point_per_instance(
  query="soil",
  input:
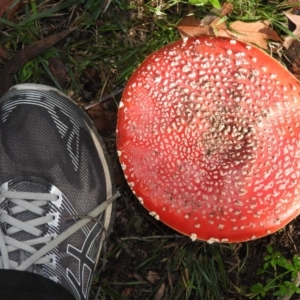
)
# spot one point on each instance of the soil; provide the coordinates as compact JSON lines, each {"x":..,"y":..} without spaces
{"x":139,"y":251}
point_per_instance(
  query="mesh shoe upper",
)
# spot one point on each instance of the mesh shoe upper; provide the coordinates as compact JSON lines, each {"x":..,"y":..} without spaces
{"x":49,"y":146}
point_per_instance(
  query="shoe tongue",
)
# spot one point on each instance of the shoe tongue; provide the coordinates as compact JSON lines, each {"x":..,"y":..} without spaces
{"x":29,"y":184}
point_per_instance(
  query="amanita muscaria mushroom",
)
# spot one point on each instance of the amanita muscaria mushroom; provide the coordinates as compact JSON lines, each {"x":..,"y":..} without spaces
{"x":209,"y":139}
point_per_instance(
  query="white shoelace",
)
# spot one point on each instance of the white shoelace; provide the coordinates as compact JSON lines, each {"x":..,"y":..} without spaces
{"x":8,"y":244}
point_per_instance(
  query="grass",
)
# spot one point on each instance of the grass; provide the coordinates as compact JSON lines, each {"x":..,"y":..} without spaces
{"x":98,"y":59}
{"x":113,"y":43}
{"x":193,"y":270}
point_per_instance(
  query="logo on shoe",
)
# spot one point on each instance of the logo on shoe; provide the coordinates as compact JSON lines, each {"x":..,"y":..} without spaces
{"x":86,"y":257}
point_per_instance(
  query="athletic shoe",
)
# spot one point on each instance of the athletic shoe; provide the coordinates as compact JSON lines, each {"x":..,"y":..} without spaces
{"x":56,"y":194}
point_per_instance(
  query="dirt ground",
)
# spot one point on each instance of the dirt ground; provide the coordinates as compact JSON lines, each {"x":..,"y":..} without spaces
{"x":145,"y":259}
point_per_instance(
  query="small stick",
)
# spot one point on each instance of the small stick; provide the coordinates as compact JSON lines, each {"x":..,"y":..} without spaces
{"x":103,"y":99}
{"x":175,"y":236}
{"x":69,"y":217}
{"x":124,"y":247}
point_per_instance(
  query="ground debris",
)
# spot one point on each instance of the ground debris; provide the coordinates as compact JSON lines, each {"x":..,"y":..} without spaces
{"x":12,"y":66}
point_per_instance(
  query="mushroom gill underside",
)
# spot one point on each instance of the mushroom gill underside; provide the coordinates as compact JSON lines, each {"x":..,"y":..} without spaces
{"x":208,"y":138}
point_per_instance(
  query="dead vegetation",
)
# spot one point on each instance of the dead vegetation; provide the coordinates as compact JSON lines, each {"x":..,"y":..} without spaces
{"x":89,"y":54}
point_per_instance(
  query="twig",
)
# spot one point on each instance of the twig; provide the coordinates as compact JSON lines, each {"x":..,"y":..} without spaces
{"x":295,"y":247}
{"x":103,"y":99}
{"x":141,"y":279}
{"x":124,"y":247}
{"x":152,"y":237}
{"x":104,"y":260}
{"x":12,"y":66}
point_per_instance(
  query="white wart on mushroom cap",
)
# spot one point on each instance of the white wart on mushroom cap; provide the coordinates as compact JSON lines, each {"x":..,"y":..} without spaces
{"x":208,"y":137}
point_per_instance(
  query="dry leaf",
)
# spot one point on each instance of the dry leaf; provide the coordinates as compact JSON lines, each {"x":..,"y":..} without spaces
{"x":214,"y":14}
{"x":58,"y":69}
{"x":12,"y":66}
{"x":152,"y":277}
{"x":127,"y":291}
{"x":10,"y":6}
{"x":190,"y":26}
{"x":160,"y":293}
{"x":296,"y":20}
{"x":3,"y":52}
{"x":102,"y":119}
{"x":255,"y":32}
{"x":292,"y":55}
{"x":293,"y":3}
{"x":5,"y":5}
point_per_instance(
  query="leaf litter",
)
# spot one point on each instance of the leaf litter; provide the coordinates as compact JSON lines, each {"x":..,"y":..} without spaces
{"x":258,"y":32}
{"x":12,"y":66}
{"x":288,"y":41}
{"x":123,"y":264}
{"x":10,"y":7}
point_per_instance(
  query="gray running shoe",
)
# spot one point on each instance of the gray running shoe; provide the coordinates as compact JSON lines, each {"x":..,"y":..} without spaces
{"x":56,"y":189}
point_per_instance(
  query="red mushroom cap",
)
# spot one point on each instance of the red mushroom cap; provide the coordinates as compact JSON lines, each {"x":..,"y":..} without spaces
{"x":209,"y":139}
